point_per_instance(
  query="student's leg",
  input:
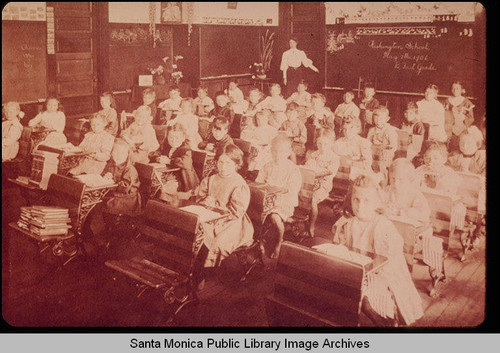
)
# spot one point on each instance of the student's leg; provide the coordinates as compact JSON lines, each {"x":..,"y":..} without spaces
{"x":271,"y":239}
{"x":279,"y":226}
{"x":378,"y":320}
{"x":314,"y":215}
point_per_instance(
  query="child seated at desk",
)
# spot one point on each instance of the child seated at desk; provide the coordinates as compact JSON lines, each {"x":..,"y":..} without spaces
{"x":125,"y":199}
{"x":255,"y":96}
{"x":108,"y":111}
{"x":302,"y":98}
{"x":391,"y":295}
{"x":204,"y":104}
{"x":367,"y":106}
{"x":172,"y":105}
{"x":98,"y":144}
{"x":319,"y":115}
{"x":277,"y":104}
{"x":323,"y":158}
{"x":177,"y":153}
{"x":383,"y":135}
{"x":282,"y":172}
{"x":236,"y":99}
{"x":459,"y":114}
{"x":229,"y":191}
{"x":189,"y":121}
{"x":222,"y":108}
{"x":434,"y":174}
{"x":354,"y":146}
{"x":141,"y":136}
{"x":219,"y":137}
{"x":431,"y":112}
{"x":346,"y":109}
{"x":53,"y":120}
{"x":11,"y":131}
{"x":261,"y":138}
{"x":296,"y":130}
{"x":412,"y":123}
{"x":470,"y":158}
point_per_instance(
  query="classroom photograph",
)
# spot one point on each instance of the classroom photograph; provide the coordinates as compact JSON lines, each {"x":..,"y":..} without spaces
{"x":243,"y":164}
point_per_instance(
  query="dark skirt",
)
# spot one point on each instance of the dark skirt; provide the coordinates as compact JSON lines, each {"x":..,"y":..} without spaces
{"x":293,"y":77}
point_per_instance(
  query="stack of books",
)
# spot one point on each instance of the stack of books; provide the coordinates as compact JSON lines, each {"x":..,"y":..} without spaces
{"x":45,"y":220}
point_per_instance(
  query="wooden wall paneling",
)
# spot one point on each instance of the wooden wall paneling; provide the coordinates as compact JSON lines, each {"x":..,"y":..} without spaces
{"x":73,"y":67}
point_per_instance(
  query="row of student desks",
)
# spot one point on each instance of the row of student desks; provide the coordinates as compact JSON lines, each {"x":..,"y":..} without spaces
{"x":172,"y":237}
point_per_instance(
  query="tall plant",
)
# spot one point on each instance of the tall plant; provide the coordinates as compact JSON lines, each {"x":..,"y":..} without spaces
{"x":266,"y":43}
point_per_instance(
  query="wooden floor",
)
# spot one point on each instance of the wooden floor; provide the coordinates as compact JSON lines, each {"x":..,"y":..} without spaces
{"x":85,"y":293}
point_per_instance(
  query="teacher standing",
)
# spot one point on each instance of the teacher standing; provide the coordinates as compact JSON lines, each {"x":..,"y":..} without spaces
{"x":291,"y":65}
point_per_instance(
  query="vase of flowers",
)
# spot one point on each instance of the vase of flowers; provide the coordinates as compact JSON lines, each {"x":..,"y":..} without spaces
{"x":266,"y":43}
{"x":258,"y":69}
{"x":175,"y":73}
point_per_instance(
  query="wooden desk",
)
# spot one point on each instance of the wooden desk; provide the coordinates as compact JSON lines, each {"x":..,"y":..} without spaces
{"x":153,"y":176}
{"x":31,"y":193}
{"x":315,"y":289}
{"x":262,"y":200}
{"x":67,"y":159}
{"x":204,"y":163}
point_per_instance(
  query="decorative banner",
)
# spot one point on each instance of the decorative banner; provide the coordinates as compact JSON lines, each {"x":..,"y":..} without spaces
{"x":51,"y":36}
{"x":138,"y":35}
{"x":24,"y":11}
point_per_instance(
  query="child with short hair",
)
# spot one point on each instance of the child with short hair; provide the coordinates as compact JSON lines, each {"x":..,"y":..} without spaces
{"x":352,"y":145}
{"x":172,"y":105}
{"x":391,"y":295}
{"x":323,"y":158}
{"x":296,"y":130}
{"x":319,"y":115}
{"x":254,"y":98}
{"x":227,"y":190}
{"x":53,"y":120}
{"x":459,"y":114}
{"x":108,"y":111}
{"x":277,"y":104}
{"x":367,"y":106}
{"x":11,"y":131}
{"x":302,"y":98}
{"x":98,"y":144}
{"x":188,"y":120}
{"x":412,"y":123}
{"x":219,"y":137}
{"x":282,"y":172}
{"x":434,"y":174}
{"x":470,"y":157}
{"x":345,"y":109}
{"x":384,"y":135}
{"x":141,"y":136}
{"x":204,"y":104}
{"x":222,"y":108}
{"x":432,"y":112}
{"x":125,"y":199}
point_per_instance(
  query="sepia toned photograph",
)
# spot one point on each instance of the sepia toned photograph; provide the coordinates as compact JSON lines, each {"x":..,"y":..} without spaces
{"x":244,"y":164}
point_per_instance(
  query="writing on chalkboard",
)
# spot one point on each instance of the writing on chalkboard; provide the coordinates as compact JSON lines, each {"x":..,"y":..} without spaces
{"x":412,"y":55}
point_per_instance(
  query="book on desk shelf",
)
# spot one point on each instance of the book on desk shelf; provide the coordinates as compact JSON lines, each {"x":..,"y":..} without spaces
{"x":45,"y":220}
{"x":205,"y":214}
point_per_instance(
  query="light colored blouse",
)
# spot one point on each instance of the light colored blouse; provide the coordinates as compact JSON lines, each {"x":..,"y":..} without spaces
{"x":49,"y":121}
{"x":11,"y":133}
{"x":294,"y":58}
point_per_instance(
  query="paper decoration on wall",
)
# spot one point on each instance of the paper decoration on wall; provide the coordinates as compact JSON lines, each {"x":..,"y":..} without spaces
{"x":138,"y":35}
{"x":171,"y":12}
{"x":24,"y":11}
{"x":396,"y":12}
{"x":51,"y":36}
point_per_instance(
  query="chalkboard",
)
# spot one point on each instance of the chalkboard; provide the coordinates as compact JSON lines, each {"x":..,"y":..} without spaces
{"x":24,"y":61}
{"x":228,"y":50}
{"x":402,"y":57}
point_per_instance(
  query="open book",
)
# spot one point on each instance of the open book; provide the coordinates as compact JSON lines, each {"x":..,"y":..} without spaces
{"x":94,"y":180}
{"x":343,"y":252}
{"x":203,"y":213}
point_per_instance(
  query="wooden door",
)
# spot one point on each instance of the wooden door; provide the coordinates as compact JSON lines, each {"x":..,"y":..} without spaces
{"x":74,"y":62}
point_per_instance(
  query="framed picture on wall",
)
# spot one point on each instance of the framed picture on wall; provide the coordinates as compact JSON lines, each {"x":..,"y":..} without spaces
{"x":232,"y":5}
{"x":171,"y":12}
